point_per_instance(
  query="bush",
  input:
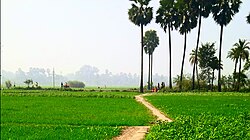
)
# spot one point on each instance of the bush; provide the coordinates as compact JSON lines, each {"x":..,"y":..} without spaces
{"x":76,"y":84}
{"x":8,"y":84}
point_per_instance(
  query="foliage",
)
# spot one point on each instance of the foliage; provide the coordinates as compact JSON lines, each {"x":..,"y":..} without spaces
{"x":203,"y":116}
{"x":59,"y":132}
{"x":187,"y":20}
{"x":193,"y":104}
{"x":240,"y":53}
{"x":248,"y":19}
{"x":208,"y":62}
{"x":151,"y":41}
{"x":76,"y":84}
{"x":45,"y":114}
{"x":167,"y":14}
{"x":223,"y":12}
{"x":28,"y":82}
{"x":166,"y":17}
{"x":73,"y":111}
{"x":8,"y":84}
{"x":186,"y":82}
{"x":246,"y":66}
{"x":187,"y":16}
{"x":140,"y":13}
{"x":78,"y":93}
{"x":205,"y":126}
{"x":202,"y":8}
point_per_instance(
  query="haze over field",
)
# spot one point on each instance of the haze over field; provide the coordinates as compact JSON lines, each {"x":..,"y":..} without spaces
{"x":67,"y":34}
{"x":90,"y":75}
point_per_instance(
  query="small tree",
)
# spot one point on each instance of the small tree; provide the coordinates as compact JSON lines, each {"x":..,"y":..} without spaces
{"x":208,"y":63}
{"x":8,"y":84}
{"x":28,"y":82}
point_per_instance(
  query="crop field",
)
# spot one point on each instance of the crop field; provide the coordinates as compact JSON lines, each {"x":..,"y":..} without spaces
{"x":202,"y":116}
{"x":77,"y":93}
{"x":28,"y":114}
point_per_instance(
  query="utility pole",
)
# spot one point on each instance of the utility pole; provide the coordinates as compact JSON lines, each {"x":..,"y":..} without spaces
{"x":53,"y":78}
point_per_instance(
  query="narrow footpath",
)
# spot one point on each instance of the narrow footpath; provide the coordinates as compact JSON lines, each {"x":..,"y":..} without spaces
{"x":139,"y":132}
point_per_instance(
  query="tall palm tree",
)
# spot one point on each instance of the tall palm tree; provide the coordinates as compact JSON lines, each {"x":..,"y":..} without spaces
{"x":234,"y":55}
{"x":166,"y":16}
{"x":202,"y":9}
{"x":141,"y":15}
{"x":151,"y":41}
{"x":223,"y":12}
{"x":243,"y":48}
{"x":248,"y":19}
{"x":187,"y":20}
{"x":194,"y":61}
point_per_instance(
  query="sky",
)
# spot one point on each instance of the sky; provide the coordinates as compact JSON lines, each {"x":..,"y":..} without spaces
{"x":67,"y":34}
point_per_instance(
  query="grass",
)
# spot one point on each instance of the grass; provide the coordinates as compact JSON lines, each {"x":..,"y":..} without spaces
{"x":68,"y":115}
{"x":58,"y":132}
{"x":188,"y":104}
{"x":73,"y":111}
{"x":64,"y":93}
{"x":203,"y":116}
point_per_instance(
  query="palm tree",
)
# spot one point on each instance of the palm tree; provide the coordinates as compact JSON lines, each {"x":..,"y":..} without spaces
{"x":214,"y":66}
{"x":187,"y":20}
{"x":248,"y":19}
{"x":243,"y":50}
{"x":234,"y":55}
{"x":141,"y":15}
{"x":202,"y":9}
{"x":223,"y":12}
{"x":151,"y":41}
{"x":166,"y":16}
{"x":194,"y":61}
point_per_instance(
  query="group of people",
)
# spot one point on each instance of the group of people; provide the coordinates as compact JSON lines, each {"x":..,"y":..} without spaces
{"x":64,"y":85}
{"x":158,"y":87}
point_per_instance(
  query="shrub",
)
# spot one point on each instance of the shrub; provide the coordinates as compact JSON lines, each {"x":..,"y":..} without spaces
{"x":76,"y":84}
{"x":8,"y":84}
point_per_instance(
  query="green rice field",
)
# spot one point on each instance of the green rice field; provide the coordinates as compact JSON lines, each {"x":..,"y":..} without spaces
{"x":98,"y":115}
{"x":69,"y":115}
{"x":202,"y":116}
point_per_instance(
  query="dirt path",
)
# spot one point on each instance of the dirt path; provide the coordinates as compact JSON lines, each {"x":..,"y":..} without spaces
{"x":133,"y":133}
{"x":139,"y":132}
{"x":155,"y":111}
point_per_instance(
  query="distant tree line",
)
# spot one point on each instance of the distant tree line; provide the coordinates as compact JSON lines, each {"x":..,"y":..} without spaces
{"x":89,"y":75}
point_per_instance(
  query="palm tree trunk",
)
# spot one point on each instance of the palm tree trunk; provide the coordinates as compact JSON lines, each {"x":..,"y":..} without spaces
{"x":235,"y":67}
{"x":183,"y":59}
{"x":213,"y":81}
{"x":141,"y":83}
{"x":151,"y":80}
{"x":170,"y":57}
{"x":197,"y":76}
{"x":149,"y":72}
{"x":196,"y":52}
{"x":219,"y":73}
{"x":238,"y":87}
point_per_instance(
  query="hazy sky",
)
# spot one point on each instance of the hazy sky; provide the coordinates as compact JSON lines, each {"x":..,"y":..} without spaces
{"x":67,"y":34}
